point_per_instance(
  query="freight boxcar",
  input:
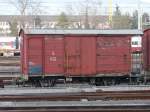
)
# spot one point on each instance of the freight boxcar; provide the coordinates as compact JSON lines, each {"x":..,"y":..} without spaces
{"x":146,"y":54}
{"x":96,"y":56}
{"x":136,"y":46}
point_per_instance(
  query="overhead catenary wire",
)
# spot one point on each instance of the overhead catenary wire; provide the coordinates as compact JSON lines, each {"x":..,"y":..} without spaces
{"x":50,"y":7}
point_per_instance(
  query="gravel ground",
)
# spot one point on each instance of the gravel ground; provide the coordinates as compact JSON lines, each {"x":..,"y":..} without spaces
{"x":76,"y":103}
{"x":69,"y":88}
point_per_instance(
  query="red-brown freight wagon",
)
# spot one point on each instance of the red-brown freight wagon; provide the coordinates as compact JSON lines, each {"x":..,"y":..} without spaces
{"x":146,"y":54}
{"x":96,"y":56}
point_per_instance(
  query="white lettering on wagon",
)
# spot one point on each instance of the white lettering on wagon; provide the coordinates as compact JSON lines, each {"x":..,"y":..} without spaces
{"x":52,"y":58}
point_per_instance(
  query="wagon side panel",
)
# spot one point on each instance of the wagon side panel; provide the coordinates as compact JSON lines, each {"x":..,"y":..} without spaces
{"x":35,"y":55}
{"x":54,"y":55}
{"x":113,"y":54}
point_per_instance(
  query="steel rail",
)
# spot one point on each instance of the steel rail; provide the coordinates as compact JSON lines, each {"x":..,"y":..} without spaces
{"x":91,"y":96}
{"x":78,"y":109}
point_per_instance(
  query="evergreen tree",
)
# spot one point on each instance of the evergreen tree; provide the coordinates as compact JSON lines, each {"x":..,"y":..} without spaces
{"x":63,"y":21}
{"x":13,"y":28}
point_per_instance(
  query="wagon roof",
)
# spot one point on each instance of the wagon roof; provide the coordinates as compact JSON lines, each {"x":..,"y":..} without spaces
{"x":102,"y":32}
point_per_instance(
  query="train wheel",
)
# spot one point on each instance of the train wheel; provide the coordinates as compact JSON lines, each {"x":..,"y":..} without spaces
{"x":92,"y":81}
{"x":39,"y":83}
{"x":109,"y":81}
{"x":47,"y":82}
{"x":44,"y":83}
{"x":99,"y":82}
{"x":51,"y":82}
{"x":106,"y":82}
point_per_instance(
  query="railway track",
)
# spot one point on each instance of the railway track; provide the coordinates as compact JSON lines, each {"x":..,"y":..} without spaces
{"x":96,"y":106}
{"x":9,"y":67}
{"x":77,"y":109}
{"x":89,"y":96}
{"x":100,"y":101}
{"x":9,"y":57}
{"x":9,"y":61}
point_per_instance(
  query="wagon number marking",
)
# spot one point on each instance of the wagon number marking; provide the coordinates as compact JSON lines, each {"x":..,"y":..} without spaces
{"x":52,"y":58}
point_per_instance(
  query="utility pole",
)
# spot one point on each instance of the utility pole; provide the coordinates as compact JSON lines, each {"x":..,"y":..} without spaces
{"x":139,"y":15}
{"x":110,"y":12}
{"x":86,"y":18}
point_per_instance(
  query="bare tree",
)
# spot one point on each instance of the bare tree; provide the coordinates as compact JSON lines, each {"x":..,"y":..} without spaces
{"x":20,"y":5}
{"x":87,"y":12}
{"x":25,"y":7}
{"x":121,"y":21}
{"x":90,"y":9}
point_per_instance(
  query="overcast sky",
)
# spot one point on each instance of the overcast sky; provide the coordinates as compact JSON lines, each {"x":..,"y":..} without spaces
{"x":54,"y":7}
